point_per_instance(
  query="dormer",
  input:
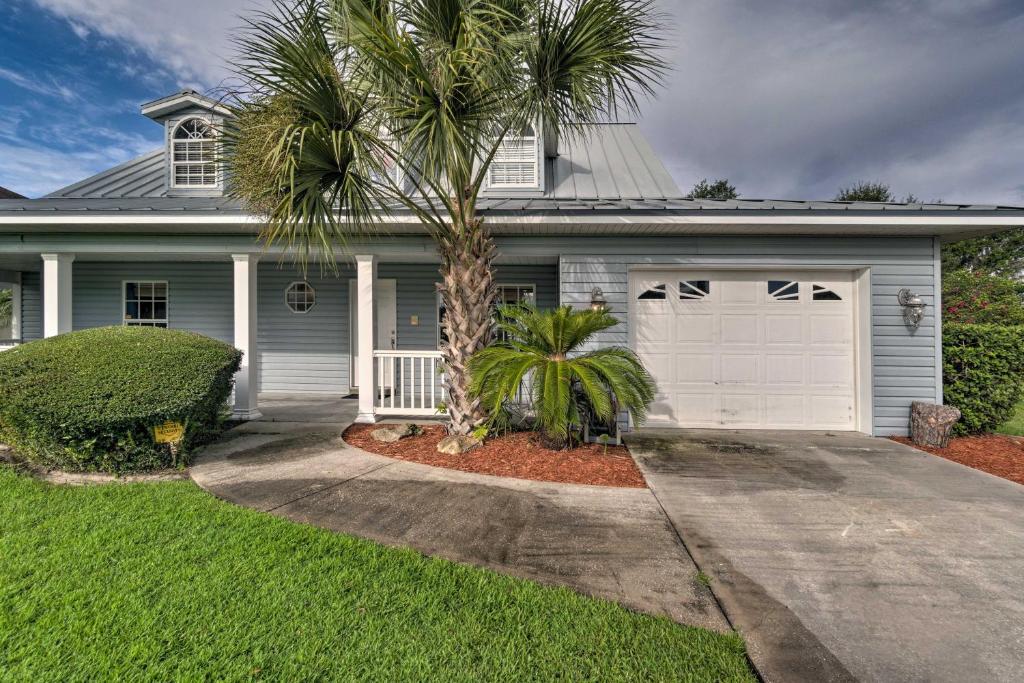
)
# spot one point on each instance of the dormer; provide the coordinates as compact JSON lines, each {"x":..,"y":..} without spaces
{"x":192,"y":124}
{"x":517,"y":168}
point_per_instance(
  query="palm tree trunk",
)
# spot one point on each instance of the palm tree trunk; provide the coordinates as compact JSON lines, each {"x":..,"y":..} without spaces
{"x":467,"y":292}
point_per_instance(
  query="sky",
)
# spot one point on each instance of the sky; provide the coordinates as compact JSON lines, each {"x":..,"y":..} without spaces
{"x":789,"y":99}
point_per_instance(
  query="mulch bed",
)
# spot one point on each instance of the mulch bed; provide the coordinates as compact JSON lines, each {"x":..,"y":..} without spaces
{"x":996,"y":454}
{"x":516,"y":455}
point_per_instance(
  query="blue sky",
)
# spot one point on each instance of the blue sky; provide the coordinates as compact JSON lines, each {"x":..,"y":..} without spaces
{"x":787,"y":99}
{"x":69,"y":102}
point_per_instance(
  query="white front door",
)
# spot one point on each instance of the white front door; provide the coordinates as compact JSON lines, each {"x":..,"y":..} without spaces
{"x":740,"y":349}
{"x":386,"y":315}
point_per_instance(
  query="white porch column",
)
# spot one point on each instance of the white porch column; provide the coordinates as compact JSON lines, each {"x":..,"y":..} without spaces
{"x":247,"y":378}
{"x":57,"y":293}
{"x":366,"y":276}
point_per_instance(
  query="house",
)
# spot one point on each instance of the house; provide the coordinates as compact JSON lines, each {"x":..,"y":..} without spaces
{"x":749,"y":314}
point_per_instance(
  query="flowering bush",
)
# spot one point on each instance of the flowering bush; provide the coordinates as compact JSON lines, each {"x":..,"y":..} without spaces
{"x":978,"y":298}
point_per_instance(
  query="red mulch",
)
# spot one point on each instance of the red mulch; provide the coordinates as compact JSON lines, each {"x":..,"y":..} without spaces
{"x":516,"y":455}
{"x":996,"y":454}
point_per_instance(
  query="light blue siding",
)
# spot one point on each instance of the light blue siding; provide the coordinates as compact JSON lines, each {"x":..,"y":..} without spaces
{"x":303,"y":352}
{"x":31,"y":306}
{"x":199,"y":294}
{"x":904,"y":362}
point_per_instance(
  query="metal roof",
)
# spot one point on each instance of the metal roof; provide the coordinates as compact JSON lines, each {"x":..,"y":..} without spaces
{"x":611,"y":170}
{"x":612,"y":162}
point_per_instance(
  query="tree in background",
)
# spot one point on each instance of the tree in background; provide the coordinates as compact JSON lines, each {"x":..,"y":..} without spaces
{"x":338,"y":93}
{"x":865,"y":191}
{"x":977,"y":297}
{"x":720,"y":189}
{"x":1000,"y":254}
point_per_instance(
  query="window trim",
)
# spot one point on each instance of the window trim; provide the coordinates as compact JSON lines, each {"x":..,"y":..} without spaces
{"x":288,"y":288}
{"x":174,"y":164}
{"x":498,"y":286}
{"x":145,"y":322}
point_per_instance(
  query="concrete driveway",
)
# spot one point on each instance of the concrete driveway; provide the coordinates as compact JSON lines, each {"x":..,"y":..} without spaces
{"x":839,"y":556}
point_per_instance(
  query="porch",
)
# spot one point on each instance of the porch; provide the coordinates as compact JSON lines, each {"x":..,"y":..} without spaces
{"x":315,"y":334}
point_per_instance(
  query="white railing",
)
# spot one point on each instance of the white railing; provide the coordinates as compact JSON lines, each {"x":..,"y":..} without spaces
{"x":408,"y":382}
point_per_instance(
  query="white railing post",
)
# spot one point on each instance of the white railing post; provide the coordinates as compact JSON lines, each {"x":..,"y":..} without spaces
{"x":366,"y":276}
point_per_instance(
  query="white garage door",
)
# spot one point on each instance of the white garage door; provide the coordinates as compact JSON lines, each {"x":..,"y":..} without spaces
{"x":746,"y":349}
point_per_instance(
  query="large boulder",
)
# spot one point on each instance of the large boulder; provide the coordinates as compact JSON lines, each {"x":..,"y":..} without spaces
{"x":456,"y":444}
{"x":393,"y":433}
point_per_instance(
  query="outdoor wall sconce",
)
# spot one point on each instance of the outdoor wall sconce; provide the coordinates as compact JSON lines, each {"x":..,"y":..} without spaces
{"x":913,"y":308}
{"x":597,"y":300}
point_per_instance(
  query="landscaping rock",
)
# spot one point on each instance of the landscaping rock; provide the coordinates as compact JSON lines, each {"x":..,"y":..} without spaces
{"x":456,"y":443}
{"x":931,"y":424}
{"x":392,"y":433}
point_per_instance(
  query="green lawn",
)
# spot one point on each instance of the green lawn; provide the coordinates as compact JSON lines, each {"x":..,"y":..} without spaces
{"x":1016,"y":424}
{"x":164,"y":582}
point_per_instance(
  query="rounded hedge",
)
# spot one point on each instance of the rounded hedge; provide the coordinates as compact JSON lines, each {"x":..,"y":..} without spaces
{"x":983,"y":373}
{"x":88,"y":401}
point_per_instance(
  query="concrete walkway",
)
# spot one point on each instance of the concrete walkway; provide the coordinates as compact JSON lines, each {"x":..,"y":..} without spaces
{"x":611,"y":543}
{"x":839,"y":556}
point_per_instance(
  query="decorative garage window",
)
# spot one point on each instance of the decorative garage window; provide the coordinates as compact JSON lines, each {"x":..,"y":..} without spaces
{"x":694,"y":289}
{"x":145,"y":304}
{"x":300,"y":297}
{"x":515,"y":164}
{"x":820,"y":293}
{"x":194,"y":155}
{"x":784,"y":290}
{"x":655,"y":293}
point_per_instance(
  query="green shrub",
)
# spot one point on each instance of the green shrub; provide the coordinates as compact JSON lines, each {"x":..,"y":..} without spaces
{"x":89,"y":400}
{"x":983,"y":370}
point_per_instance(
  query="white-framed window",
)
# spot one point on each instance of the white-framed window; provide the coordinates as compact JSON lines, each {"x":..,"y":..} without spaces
{"x":194,"y":155}
{"x":516,"y":163}
{"x":505,"y":294}
{"x":300,"y":297}
{"x":145,"y":303}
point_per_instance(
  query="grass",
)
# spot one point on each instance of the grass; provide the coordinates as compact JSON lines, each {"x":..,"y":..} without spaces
{"x":1015,"y":426}
{"x":165,"y":582}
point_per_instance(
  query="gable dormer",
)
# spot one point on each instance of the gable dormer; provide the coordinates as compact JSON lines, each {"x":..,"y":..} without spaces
{"x":191,"y":152}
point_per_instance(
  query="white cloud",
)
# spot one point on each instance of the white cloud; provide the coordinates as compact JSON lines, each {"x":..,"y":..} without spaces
{"x":47,"y":86}
{"x":191,"y":38}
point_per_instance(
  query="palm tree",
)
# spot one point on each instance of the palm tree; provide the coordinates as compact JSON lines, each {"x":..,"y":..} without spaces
{"x":543,"y":348}
{"x":337,"y":94}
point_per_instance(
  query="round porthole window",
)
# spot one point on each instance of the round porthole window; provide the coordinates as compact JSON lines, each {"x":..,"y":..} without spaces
{"x":300,"y":297}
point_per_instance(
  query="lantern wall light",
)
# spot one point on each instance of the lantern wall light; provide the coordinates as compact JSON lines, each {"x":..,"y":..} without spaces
{"x":913,"y":308}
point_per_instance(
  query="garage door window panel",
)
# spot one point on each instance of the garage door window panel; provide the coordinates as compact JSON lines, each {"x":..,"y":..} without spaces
{"x":784,"y":290}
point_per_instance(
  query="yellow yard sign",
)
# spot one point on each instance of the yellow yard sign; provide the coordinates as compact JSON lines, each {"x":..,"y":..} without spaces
{"x":169,"y":432}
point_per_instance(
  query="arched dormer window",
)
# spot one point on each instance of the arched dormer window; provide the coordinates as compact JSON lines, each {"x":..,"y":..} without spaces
{"x":194,"y":155}
{"x":516,"y":163}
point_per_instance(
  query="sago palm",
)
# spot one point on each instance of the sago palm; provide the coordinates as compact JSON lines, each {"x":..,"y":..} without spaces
{"x":543,"y":348}
{"x":337,"y":94}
